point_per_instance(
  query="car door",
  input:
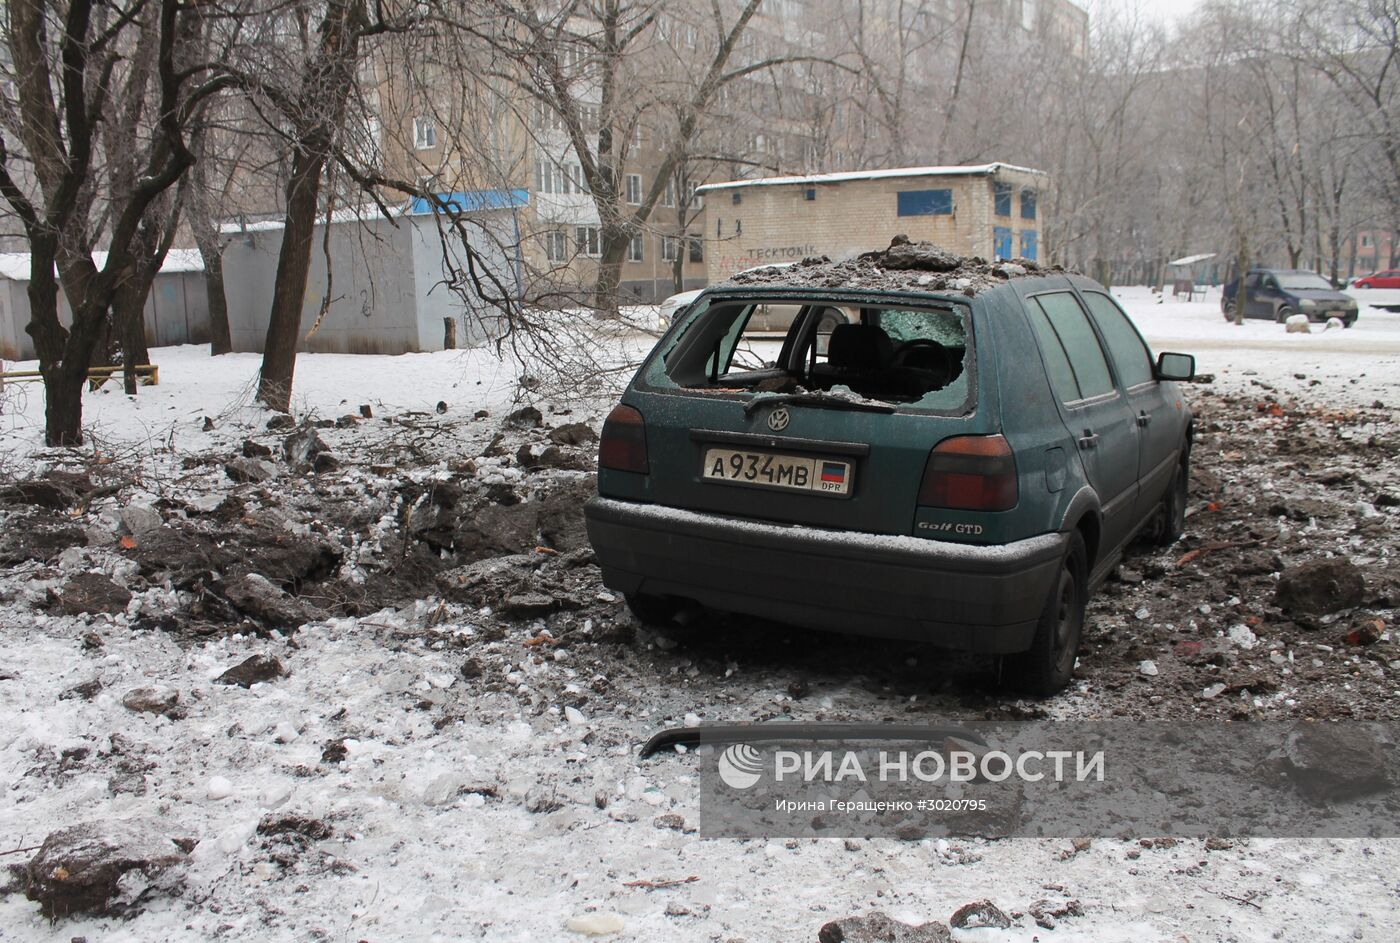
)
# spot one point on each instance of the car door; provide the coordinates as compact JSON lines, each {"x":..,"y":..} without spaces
{"x":1261,"y":293}
{"x":1158,"y":416}
{"x":1094,"y":410}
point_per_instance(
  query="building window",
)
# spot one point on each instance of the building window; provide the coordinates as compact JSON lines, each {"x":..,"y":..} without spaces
{"x":1001,"y":242}
{"x":545,"y":118}
{"x":668,"y":198}
{"x":737,"y":198}
{"x":668,"y":248}
{"x":1028,"y":204}
{"x":1001,"y":196}
{"x":634,"y":189}
{"x":549,"y":178}
{"x":925,"y":202}
{"x":1028,"y":244}
{"x":697,"y":249}
{"x":696,"y":200}
{"x":634,"y":249}
{"x":571,"y":179}
{"x":588,"y":242}
{"x":1365,"y":240}
{"x":810,"y":193}
{"x":424,"y":134}
{"x":555,"y":246}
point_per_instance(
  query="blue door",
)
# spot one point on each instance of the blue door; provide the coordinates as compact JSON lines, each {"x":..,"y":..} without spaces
{"x":1028,"y":244}
{"x":1001,"y":242}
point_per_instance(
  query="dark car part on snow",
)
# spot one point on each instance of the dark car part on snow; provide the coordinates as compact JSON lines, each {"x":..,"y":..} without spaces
{"x":785,"y":731}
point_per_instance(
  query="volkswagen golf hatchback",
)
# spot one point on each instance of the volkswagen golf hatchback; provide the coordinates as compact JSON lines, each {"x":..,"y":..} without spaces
{"x":960,"y":457}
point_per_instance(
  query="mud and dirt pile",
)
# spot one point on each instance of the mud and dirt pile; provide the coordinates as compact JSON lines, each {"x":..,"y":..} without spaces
{"x":305,"y":539}
{"x":904,"y":266}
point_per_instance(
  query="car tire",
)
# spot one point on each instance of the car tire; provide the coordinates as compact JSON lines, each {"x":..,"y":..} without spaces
{"x":653,"y":611}
{"x":1172,"y":518}
{"x":1229,"y":308}
{"x":1284,"y":313}
{"x":1348,"y":322}
{"x":1048,"y":665}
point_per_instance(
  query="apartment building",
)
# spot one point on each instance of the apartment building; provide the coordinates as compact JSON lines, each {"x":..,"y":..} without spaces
{"x":989,"y":210}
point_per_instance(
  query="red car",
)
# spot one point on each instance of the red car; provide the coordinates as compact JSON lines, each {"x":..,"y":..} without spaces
{"x":1386,"y":279}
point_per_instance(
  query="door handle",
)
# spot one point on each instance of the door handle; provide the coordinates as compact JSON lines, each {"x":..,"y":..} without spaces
{"x":1088,"y":440}
{"x":1143,"y":417}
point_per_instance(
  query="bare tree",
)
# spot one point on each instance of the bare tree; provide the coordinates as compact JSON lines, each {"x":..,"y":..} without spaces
{"x":67,"y":55}
{"x":612,"y":39}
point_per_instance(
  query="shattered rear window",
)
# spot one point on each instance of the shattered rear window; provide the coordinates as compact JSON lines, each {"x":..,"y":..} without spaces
{"x":891,"y":352}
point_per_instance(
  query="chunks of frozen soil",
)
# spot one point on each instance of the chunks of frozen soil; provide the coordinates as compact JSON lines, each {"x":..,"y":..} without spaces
{"x":526,"y":417}
{"x":573,"y":433}
{"x":1319,"y":587}
{"x":157,"y":699}
{"x":92,"y":592}
{"x":980,"y":913}
{"x":301,"y":447}
{"x":260,"y":598}
{"x":876,"y":927}
{"x":103,"y":867}
{"x":252,"y":670}
{"x":905,"y":265}
{"x":286,"y":836}
{"x":242,"y":470}
{"x":1047,"y":913}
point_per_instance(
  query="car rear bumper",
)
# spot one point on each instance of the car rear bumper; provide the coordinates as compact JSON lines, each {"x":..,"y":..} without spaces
{"x":975,"y":598}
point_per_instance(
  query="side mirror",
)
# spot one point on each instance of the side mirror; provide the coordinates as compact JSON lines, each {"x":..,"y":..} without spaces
{"x":1176,"y":367}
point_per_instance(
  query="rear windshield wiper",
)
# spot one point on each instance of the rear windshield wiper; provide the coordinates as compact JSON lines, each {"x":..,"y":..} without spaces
{"x":819,"y":400}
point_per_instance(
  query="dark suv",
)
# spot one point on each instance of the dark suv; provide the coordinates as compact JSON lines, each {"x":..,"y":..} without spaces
{"x":1278,"y":294}
{"x":962,"y":463}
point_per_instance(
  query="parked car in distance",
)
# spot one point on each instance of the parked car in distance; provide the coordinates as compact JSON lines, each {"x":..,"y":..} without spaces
{"x":1278,"y":294}
{"x":676,"y":303}
{"x":961,"y":466}
{"x":1390,"y":278}
{"x":767,"y":319}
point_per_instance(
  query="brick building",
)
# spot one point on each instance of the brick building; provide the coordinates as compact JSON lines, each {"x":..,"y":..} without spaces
{"x":991,"y":210}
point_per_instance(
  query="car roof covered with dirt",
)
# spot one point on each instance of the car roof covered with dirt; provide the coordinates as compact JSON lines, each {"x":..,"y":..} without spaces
{"x":906,"y":266}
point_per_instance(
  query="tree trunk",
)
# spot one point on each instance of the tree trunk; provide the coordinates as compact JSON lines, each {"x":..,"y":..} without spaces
{"x":328,"y":80}
{"x":63,"y":378}
{"x":220,"y":334}
{"x":614,"y":250}
{"x":206,"y":239}
{"x":289,"y":290}
{"x":63,"y":404}
{"x":129,"y":323}
{"x":1241,"y":267}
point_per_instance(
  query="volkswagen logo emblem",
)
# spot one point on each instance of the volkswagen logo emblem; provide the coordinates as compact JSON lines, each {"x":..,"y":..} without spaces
{"x":778,"y":419}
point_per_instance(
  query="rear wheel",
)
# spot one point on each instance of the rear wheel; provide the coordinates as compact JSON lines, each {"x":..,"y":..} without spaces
{"x":1172,"y":517}
{"x":1049,"y":664}
{"x":1284,"y":313}
{"x":653,"y":611}
{"x":1228,"y":306}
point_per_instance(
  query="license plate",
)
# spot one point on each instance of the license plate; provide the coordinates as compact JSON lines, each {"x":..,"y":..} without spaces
{"x":770,"y":470}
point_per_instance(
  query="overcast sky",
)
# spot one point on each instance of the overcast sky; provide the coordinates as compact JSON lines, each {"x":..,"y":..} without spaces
{"x":1164,"y":11}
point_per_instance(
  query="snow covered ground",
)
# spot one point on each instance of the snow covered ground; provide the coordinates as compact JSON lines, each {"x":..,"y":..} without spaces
{"x":500,"y":805}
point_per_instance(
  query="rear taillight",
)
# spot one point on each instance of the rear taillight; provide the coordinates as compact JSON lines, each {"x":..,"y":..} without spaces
{"x":624,"y":444}
{"x":971,"y":473}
